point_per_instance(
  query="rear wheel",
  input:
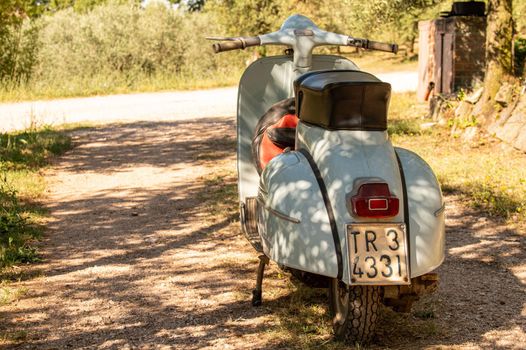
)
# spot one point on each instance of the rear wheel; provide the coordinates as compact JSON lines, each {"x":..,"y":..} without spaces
{"x":354,"y":311}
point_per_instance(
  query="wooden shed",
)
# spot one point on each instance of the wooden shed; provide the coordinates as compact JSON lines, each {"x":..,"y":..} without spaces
{"x":451,"y":54}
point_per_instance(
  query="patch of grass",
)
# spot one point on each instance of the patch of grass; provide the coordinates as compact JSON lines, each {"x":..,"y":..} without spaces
{"x":16,"y":229}
{"x":407,"y":326}
{"x":424,"y":314}
{"x":32,"y":148}
{"x":489,"y":176}
{"x":104,"y":86}
{"x":404,"y":127}
{"x":13,"y":337}
{"x":404,"y":106}
{"x":8,"y":294}
{"x":381,"y":62}
{"x":22,"y":155}
{"x":220,"y":195}
{"x":217,"y":149}
{"x":405,"y":115}
{"x":304,"y":321}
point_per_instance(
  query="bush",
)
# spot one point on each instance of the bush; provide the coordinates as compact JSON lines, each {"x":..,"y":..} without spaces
{"x":15,"y":231}
{"x":18,"y":52}
{"x":123,"y":45}
{"x":119,"y":47}
{"x":22,"y":154}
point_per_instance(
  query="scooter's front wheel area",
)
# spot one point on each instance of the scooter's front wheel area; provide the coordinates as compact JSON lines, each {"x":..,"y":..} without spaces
{"x":354,"y":311}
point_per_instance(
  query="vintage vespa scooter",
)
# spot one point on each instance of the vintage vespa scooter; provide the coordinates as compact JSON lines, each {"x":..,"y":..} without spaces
{"x":322,"y":191}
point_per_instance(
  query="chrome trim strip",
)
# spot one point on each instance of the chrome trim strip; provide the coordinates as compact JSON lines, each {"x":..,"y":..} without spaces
{"x":440,"y":210}
{"x":278,"y":213}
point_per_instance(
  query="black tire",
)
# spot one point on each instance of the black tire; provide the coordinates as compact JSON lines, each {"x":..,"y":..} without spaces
{"x":354,"y":311}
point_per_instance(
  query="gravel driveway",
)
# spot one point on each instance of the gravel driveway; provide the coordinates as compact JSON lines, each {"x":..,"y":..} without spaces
{"x":144,"y":251}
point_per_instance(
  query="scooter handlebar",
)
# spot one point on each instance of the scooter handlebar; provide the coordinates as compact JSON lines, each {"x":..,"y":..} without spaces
{"x":236,"y":43}
{"x":244,"y":42}
{"x":372,"y":45}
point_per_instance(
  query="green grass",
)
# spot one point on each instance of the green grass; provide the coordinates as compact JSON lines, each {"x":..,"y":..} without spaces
{"x":22,"y":155}
{"x":380,"y":62}
{"x":221,"y":193}
{"x":103,"y":85}
{"x":490,"y":177}
{"x":121,"y":84}
{"x":8,"y":294}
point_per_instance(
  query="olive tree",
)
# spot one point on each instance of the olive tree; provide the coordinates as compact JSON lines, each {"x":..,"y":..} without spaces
{"x":499,"y":39}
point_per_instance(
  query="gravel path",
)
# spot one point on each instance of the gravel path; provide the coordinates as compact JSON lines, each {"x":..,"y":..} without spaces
{"x":144,"y":252}
{"x":158,"y":106}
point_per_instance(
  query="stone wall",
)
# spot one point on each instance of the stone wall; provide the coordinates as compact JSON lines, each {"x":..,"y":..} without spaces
{"x":510,"y":127}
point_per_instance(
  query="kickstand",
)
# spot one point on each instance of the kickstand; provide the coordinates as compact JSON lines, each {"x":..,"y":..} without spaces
{"x":257,"y":293}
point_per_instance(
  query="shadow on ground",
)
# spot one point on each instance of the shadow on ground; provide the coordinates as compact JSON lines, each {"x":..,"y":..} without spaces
{"x":151,"y":257}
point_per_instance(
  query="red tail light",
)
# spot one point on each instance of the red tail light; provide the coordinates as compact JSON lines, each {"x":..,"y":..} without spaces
{"x":374,"y":200}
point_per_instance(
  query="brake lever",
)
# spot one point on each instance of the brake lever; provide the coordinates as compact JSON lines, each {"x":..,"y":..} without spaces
{"x":372,"y":45}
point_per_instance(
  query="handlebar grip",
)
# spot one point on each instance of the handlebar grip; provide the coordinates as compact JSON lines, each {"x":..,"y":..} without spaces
{"x":237,"y":43}
{"x":372,"y":45}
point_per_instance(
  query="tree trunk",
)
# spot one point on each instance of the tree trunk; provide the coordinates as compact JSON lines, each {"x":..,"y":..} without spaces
{"x":499,"y":35}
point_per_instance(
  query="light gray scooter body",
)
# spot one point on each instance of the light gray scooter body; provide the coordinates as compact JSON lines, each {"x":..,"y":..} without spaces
{"x":265,"y":82}
{"x":290,"y":189}
{"x":293,"y":224}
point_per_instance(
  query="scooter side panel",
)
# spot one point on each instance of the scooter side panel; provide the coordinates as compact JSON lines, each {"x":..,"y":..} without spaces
{"x":294,"y":224}
{"x":265,"y":82}
{"x":426,"y":213}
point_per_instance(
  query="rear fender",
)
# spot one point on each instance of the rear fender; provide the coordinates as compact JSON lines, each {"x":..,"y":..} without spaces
{"x":293,"y":221}
{"x":426,"y":213}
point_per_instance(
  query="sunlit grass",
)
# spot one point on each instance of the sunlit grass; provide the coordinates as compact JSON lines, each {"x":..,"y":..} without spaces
{"x":489,"y":175}
{"x":104,"y":85}
{"x":9,"y":294}
{"x":22,"y":156}
{"x":380,"y":62}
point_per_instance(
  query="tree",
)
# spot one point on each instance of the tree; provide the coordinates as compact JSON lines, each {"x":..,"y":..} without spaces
{"x":78,"y":5}
{"x":195,"y":5}
{"x":247,"y":17}
{"x":499,"y":39}
{"x":18,"y":40}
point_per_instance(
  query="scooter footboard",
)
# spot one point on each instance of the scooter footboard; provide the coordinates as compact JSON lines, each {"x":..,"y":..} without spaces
{"x":293,"y":221}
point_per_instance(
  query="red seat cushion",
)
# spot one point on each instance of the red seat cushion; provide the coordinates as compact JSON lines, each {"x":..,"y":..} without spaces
{"x":267,"y":148}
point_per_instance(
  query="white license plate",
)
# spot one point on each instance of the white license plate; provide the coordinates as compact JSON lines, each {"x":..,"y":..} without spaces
{"x":378,"y":254}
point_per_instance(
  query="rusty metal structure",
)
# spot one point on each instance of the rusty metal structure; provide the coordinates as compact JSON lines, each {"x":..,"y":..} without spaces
{"x":451,"y":51}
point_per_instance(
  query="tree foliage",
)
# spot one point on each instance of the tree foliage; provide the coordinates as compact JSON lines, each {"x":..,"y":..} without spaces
{"x":100,"y":31}
{"x":395,"y":20}
{"x":247,"y":17}
{"x":18,"y":43}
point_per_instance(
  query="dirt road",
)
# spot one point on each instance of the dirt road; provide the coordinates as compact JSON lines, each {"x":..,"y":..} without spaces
{"x":156,"y":106}
{"x":144,"y":252}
